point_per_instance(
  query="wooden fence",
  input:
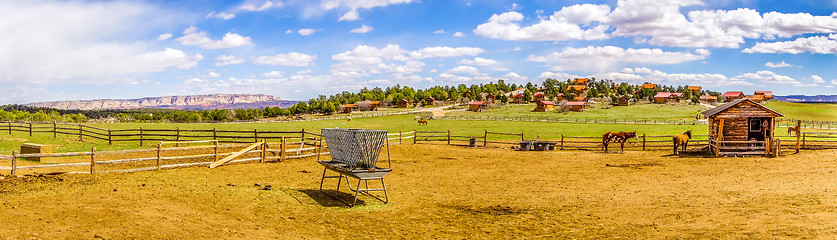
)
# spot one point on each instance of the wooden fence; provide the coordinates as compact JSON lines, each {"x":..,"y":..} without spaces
{"x":782,"y":122}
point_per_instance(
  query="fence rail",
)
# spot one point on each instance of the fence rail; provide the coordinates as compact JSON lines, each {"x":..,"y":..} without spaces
{"x":780,"y":122}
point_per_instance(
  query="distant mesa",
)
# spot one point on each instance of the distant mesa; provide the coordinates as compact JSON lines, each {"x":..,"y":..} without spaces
{"x":808,"y":99}
{"x":190,"y":102}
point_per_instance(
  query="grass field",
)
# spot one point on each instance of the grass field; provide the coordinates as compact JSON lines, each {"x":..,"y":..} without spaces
{"x":445,"y":192}
{"x":600,"y":111}
{"x":805,"y":111}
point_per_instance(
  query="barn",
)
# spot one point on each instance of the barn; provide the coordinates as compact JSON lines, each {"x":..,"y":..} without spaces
{"x":741,"y":127}
{"x":544,"y":106}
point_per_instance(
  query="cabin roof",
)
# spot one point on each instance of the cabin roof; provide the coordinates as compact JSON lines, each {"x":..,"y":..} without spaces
{"x":539,"y":94}
{"x":694,"y":87}
{"x":476,"y":103}
{"x":649,"y":85}
{"x":677,"y":94}
{"x":375,"y":102}
{"x":547,"y":102}
{"x":733,"y":94}
{"x":662,"y":95}
{"x":719,"y":109}
{"x":707,"y":97}
{"x":349,"y":105}
{"x":576,"y":103}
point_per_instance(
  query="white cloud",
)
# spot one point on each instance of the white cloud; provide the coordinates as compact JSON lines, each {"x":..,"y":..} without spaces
{"x":441,"y":52}
{"x":571,"y":22}
{"x":289,"y":31}
{"x":165,"y":36}
{"x":213,"y":74}
{"x":458,"y":34}
{"x":293,"y":59}
{"x":273,"y":74}
{"x":191,"y":36}
{"x":768,"y":77}
{"x":557,"y":76}
{"x":226,"y":60}
{"x":817,"y":79}
{"x":440,"y":31}
{"x":463,"y":69}
{"x":478,"y":61}
{"x":362,"y":29}
{"x":514,"y":77}
{"x":354,"y":5}
{"x":252,"y":7}
{"x":815,"y":44}
{"x":306,"y":31}
{"x":610,"y":57}
{"x":779,"y":65}
{"x":641,"y":75}
{"x":220,"y":15}
{"x":51,"y":42}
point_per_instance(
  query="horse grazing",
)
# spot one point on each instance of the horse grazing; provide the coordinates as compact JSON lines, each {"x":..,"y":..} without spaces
{"x":681,"y":140}
{"x":619,"y":137}
{"x":422,"y":122}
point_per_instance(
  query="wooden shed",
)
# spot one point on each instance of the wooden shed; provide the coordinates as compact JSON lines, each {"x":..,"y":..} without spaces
{"x":576,"y":106}
{"x":477,"y":106}
{"x":544,"y":106}
{"x":348,"y":108}
{"x":373,"y":105}
{"x":490,"y":98}
{"x":538,"y":97}
{"x":403,"y":103}
{"x":430,"y":101}
{"x":664,"y":97}
{"x":623,"y":101}
{"x":708,"y":98}
{"x":559,"y":97}
{"x":768,"y":95}
{"x":519,"y":99}
{"x":741,"y":127}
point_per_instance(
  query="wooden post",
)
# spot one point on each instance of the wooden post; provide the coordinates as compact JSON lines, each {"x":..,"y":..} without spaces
{"x":80,"y":133}
{"x":160,"y":150}
{"x":448,"y":136}
{"x":10,"y":127}
{"x":485,"y":139}
{"x":415,"y":136}
{"x":140,"y":136}
{"x":303,"y":136}
{"x":177,"y":136}
{"x":798,"y":130}
{"x":255,"y":135}
{"x":14,"y":163}
{"x":282,"y":149}
{"x":54,"y":131}
{"x":110,"y":137}
{"x":92,"y":160}
{"x":264,"y":148}
{"x":400,"y":137}
{"x":803,"y":138}
{"x":643,"y":142}
{"x":720,"y":137}
{"x":215,"y":135}
{"x":30,"y":129}
{"x":562,"y":141}
{"x":216,"y":151}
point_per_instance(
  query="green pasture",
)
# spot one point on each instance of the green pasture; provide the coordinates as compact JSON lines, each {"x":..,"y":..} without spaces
{"x":805,"y":111}
{"x":680,"y":111}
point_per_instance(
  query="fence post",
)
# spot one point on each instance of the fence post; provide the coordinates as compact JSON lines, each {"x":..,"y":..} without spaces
{"x":10,"y":127}
{"x":448,"y":136}
{"x":264,"y":149}
{"x":562,"y":142}
{"x":400,"y":137}
{"x":282,"y":149}
{"x":485,"y":138}
{"x":159,"y":154}
{"x":110,"y":138}
{"x":643,"y":142}
{"x":303,"y":136}
{"x":14,"y":162}
{"x":140,"y":136}
{"x":255,"y":135}
{"x":54,"y":131}
{"x":415,"y":136}
{"x":30,"y":129}
{"x":803,"y":138}
{"x":177,"y":135}
{"x":79,"y":133}
{"x":214,"y":134}
{"x":521,"y":136}
{"x":92,"y":160}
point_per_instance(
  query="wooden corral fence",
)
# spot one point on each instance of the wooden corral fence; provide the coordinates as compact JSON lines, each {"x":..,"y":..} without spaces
{"x":784,"y":122}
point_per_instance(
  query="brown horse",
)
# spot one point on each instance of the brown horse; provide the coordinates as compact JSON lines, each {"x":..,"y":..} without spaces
{"x":793,"y":129}
{"x":619,"y":137}
{"x":422,"y":122}
{"x":681,"y":140}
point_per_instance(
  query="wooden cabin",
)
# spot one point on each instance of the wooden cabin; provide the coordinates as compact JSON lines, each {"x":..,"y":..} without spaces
{"x":403,"y":103}
{"x":544,"y":106}
{"x":559,"y":97}
{"x":664,"y":97}
{"x":429,"y":101}
{"x":576,"y":106}
{"x":678,"y":96}
{"x":768,"y":95}
{"x":623,"y":101}
{"x":648,"y":85}
{"x":578,"y":88}
{"x":490,"y":98}
{"x":756,"y":98}
{"x":695,"y":89}
{"x":580,"y":99}
{"x":580,"y":81}
{"x":373,"y":105}
{"x":538,"y":97}
{"x":708,"y":98}
{"x":519,"y":99}
{"x":348,"y":108}
{"x":477,"y":106}
{"x":741,"y":127}
{"x":730,"y":96}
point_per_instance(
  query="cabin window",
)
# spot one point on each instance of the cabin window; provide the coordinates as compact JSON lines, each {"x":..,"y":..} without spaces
{"x":755,"y":125}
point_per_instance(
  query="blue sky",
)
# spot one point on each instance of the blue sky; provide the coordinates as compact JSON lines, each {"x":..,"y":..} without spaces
{"x":298,"y":49}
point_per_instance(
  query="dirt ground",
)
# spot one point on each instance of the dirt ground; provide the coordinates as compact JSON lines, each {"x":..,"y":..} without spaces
{"x":448,"y":192}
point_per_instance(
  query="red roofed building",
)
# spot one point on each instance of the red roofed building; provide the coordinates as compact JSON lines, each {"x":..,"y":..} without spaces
{"x":580,"y":81}
{"x":576,"y":106}
{"x":664,"y":97}
{"x":544,"y":106}
{"x":648,"y":85}
{"x":477,"y":106}
{"x":729,"y":96}
{"x":538,"y":97}
{"x":519,"y":99}
{"x":768,"y":95}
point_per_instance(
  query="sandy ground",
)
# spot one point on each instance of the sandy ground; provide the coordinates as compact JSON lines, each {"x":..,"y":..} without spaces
{"x":448,"y":192}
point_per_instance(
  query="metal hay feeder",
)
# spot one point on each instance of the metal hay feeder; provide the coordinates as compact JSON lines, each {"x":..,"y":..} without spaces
{"x":354,"y":153}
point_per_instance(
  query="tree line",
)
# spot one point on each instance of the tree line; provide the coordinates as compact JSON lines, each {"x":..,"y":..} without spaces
{"x":462,"y":93}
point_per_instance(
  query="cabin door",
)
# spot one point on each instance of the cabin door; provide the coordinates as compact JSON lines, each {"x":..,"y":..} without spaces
{"x":757,"y":128}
